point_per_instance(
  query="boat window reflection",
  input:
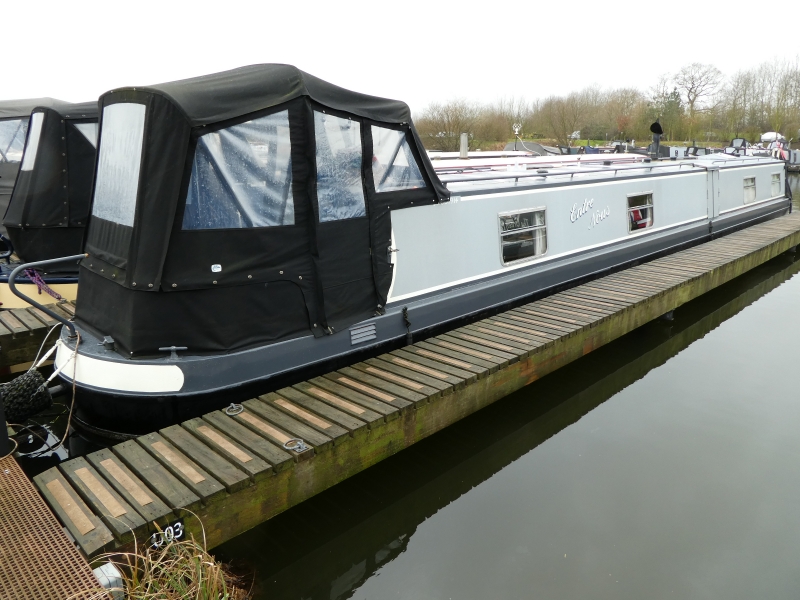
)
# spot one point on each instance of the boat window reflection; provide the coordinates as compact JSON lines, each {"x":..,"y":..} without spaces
{"x":118,"y":164}
{"x":89,"y":131}
{"x":749,"y":189}
{"x":393,"y":164}
{"x":340,"y":192}
{"x":242,"y":177}
{"x":12,"y":139}
{"x":776,"y":184}
{"x":640,"y":212}
{"x":32,"y":146}
{"x":523,"y":235}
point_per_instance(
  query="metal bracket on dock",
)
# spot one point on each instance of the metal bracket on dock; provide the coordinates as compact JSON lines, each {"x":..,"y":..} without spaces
{"x":234,"y":409}
{"x":296,"y":445}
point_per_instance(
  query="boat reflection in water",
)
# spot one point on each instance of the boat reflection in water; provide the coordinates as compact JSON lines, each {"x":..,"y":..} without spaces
{"x":330,"y":545}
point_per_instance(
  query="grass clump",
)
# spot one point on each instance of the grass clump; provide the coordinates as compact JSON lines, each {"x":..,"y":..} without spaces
{"x":177,"y":570}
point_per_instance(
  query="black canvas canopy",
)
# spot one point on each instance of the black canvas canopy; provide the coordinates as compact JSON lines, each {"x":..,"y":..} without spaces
{"x":14,"y":116}
{"x":49,"y":206}
{"x":245,"y":207}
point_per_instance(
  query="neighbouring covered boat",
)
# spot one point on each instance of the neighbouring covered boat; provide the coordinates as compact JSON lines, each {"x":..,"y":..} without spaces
{"x":49,"y":207}
{"x":14,"y":117}
{"x":258,"y":222}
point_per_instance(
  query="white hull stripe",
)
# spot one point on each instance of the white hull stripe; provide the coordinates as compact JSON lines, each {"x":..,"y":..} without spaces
{"x":123,"y":377}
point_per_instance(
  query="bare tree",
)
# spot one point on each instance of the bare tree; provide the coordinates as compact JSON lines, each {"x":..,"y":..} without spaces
{"x":698,"y":83}
{"x":563,"y":116}
{"x":440,"y":125}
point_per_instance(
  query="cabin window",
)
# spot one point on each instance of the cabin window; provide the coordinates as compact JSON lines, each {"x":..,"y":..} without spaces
{"x":242,"y":177}
{"x":749,"y":189}
{"x":340,"y":191}
{"x":640,"y":212}
{"x":118,"y":163}
{"x":393,"y":164}
{"x":12,"y":139}
{"x":32,"y":147}
{"x":523,"y":235}
{"x":776,"y":184}
{"x":89,"y":131}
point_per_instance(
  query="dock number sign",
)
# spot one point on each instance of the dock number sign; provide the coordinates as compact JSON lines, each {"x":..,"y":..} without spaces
{"x":172,"y":532}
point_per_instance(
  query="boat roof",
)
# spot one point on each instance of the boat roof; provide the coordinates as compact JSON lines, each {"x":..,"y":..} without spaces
{"x":10,"y":109}
{"x":230,"y":94}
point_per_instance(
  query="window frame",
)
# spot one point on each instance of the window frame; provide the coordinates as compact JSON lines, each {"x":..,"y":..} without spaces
{"x":501,"y":233}
{"x":312,"y":138}
{"x":228,"y":125}
{"x":409,"y":139}
{"x":32,"y":140}
{"x":629,"y":208}
{"x":745,"y":187}
{"x":142,"y":150}
{"x":197,"y":132}
{"x":773,"y":182}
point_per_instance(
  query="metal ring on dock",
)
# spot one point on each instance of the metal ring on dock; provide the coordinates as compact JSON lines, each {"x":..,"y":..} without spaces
{"x":295,"y":444}
{"x":234,"y":409}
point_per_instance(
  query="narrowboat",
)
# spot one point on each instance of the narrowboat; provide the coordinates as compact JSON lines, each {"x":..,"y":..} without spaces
{"x":253,"y":225}
{"x":49,"y":205}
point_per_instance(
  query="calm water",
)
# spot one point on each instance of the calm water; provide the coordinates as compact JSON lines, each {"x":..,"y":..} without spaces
{"x":665,"y":465}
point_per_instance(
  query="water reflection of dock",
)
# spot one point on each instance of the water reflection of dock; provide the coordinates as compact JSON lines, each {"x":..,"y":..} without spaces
{"x":235,"y":472}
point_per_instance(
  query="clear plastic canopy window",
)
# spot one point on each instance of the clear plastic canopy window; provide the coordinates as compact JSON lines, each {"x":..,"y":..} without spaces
{"x":89,"y":131}
{"x":12,"y":139}
{"x":242,"y":177}
{"x":393,"y":164}
{"x":32,"y":147}
{"x":340,"y":192}
{"x":120,"y":157}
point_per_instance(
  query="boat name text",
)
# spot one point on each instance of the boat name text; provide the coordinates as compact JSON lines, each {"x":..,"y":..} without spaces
{"x":598,"y":215}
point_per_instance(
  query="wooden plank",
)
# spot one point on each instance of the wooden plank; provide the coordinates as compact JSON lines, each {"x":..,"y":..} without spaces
{"x":402,"y":375}
{"x":130,"y":487}
{"x":32,"y":323}
{"x":67,"y":307}
{"x":477,"y":359}
{"x":475,"y":347}
{"x":398,"y":378}
{"x":535,"y":327}
{"x":354,"y":425}
{"x":333,"y":392}
{"x":523,"y":348}
{"x":83,"y":525}
{"x":587,"y":307}
{"x":222,"y":470}
{"x":271,"y":433}
{"x":436,"y":354}
{"x":273,"y":454}
{"x":487,"y":343}
{"x":42,"y":316}
{"x":12,"y":323}
{"x":117,"y":514}
{"x":286,"y":403}
{"x":557,"y":314}
{"x":182,"y":467}
{"x":377,"y":388}
{"x":295,"y":428}
{"x":240,"y":456}
{"x":458,"y":378}
{"x":56,"y":308}
{"x":158,"y":479}
{"x":526,"y":341}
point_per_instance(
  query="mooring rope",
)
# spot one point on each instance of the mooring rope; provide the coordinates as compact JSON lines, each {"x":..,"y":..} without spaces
{"x":41,"y":284}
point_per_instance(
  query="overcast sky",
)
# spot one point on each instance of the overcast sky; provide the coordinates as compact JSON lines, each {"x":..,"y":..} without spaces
{"x":416,"y":51}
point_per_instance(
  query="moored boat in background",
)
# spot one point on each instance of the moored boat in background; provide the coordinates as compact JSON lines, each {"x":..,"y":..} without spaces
{"x":49,"y":206}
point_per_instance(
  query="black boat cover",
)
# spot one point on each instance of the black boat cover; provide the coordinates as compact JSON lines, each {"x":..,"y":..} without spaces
{"x":245,"y":207}
{"x":49,"y":206}
{"x":14,"y":116}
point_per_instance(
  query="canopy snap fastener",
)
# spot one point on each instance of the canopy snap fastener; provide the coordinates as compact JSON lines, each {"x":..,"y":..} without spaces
{"x":295,"y":444}
{"x":234,"y":409}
